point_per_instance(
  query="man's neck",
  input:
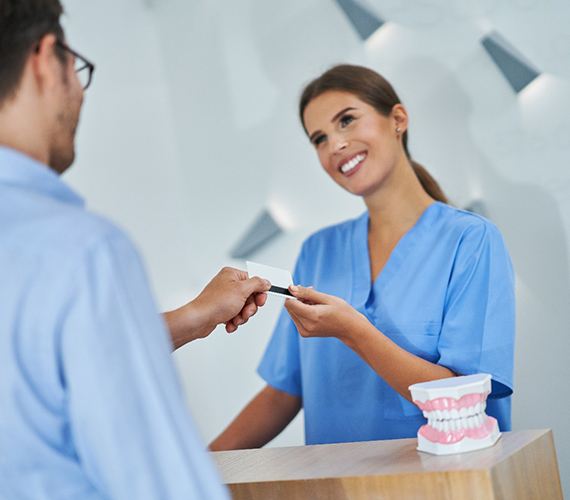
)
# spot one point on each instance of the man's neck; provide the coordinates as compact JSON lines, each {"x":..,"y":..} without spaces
{"x":22,"y":133}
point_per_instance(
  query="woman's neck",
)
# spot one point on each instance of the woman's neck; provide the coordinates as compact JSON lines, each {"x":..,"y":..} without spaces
{"x":398,"y":204}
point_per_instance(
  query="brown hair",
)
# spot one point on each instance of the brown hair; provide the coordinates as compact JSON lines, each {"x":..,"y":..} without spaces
{"x":375,"y":90}
{"x":23,"y":23}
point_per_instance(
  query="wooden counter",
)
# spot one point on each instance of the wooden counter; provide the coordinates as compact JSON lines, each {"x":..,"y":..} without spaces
{"x":520,"y":465}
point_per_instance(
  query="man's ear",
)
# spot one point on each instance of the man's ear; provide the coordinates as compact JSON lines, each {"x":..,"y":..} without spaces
{"x":46,"y":65}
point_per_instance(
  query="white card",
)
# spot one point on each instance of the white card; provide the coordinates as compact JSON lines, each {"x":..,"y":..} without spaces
{"x":280,"y":279}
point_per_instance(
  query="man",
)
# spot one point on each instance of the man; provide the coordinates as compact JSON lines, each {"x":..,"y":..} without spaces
{"x":90,"y":406}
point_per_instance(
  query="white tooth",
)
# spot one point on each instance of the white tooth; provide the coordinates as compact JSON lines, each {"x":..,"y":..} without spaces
{"x":483,"y":406}
{"x":438,"y":414}
{"x":463,"y":412}
{"x":454,"y":413}
{"x":453,"y":425}
{"x":446,"y":426}
{"x":478,"y":408}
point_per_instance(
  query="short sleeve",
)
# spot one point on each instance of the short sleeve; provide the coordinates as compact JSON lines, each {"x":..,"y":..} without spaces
{"x":280,"y":365}
{"x":478,"y":328}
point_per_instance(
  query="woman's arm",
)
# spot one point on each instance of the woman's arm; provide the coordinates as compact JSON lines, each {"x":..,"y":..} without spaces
{"x":318,"y":315}
{"x":266,"y":415}
{"x":398,"y":367}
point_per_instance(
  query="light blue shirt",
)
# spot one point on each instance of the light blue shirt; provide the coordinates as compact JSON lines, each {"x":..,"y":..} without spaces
{"x":90,"y":405}
{"x":446,"y":294}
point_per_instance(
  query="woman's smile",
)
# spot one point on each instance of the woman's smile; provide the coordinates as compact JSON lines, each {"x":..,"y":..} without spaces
{"x":352,"y":164}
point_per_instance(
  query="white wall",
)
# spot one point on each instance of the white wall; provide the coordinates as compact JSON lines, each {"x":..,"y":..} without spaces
{"x":190,"y":128}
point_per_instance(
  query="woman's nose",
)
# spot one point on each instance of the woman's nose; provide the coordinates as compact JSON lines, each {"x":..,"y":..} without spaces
{"x":339,"y":145}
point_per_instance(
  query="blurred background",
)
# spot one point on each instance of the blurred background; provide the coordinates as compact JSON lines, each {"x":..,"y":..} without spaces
{"x":190,"y":134}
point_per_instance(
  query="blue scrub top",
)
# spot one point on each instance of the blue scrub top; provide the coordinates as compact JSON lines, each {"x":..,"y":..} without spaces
{"x":446,"y":294}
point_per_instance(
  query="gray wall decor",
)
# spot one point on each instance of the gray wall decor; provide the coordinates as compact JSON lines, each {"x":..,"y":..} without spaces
{"x":363,"y":20}
{"x":518,"y":71}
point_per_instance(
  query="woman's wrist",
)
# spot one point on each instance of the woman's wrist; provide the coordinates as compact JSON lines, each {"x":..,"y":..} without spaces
{"x":358,"y":328}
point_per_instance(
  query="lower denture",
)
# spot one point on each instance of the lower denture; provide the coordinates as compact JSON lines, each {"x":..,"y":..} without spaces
{"x":450,"y":437}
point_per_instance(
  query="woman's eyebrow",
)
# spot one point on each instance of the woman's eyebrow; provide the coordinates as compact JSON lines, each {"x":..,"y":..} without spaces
{"x":333,"y":119}
{"x":314,"y":135}
{"x":340,"y":113}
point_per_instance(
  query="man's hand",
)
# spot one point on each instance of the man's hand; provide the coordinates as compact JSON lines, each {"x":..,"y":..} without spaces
{"x":230,"y":297}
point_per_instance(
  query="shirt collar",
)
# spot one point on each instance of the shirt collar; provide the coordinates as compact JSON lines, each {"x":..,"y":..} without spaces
{"x":17,"y":169}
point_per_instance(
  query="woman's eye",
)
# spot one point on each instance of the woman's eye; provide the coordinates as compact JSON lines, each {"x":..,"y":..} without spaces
{"x":346,"y":120}
{"x":318,"y":140}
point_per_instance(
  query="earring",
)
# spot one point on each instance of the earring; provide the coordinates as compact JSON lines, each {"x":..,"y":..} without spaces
{"x":398,"y":130}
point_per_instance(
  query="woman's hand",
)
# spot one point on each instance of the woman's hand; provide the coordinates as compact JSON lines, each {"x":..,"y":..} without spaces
{"x":317,"y":314}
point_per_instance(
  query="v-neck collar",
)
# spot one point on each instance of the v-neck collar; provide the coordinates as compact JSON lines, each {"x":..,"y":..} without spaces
{"x":362,"y":281}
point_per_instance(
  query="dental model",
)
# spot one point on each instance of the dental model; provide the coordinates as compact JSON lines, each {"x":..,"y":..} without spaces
{"x":455,"y":409}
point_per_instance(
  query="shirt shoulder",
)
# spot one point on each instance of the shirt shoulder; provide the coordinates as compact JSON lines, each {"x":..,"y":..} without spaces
{"x":58,"y":234}
{"x":465,"y":225}
{"x":335,"y":233}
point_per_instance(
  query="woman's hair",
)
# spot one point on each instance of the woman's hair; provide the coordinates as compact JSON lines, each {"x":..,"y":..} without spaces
{"x":375,"y":90}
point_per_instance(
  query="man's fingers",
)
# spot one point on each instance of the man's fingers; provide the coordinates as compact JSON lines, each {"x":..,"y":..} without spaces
{"x":248,"y":311}
{"x":255,"y":285}
{"x":309,"y":295}
{"x":260,"y":299}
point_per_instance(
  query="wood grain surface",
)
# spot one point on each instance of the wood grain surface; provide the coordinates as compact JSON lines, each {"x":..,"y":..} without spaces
{"x":520,"y":465}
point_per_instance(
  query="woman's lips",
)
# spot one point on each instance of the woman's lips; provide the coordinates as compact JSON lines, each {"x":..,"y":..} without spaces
{"x":352,"y":164}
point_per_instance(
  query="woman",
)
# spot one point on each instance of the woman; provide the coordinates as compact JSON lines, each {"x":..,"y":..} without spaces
{"x":412,"y":290}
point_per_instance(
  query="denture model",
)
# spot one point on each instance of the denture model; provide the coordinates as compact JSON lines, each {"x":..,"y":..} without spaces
{"x":455,"y":409}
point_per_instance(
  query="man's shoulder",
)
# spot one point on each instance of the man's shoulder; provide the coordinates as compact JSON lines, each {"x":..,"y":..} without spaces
{"x":64,"y":232}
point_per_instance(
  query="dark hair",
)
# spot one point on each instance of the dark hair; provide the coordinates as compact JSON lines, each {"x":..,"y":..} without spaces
{"x":375,"y":90}
{"x":22,"y":25}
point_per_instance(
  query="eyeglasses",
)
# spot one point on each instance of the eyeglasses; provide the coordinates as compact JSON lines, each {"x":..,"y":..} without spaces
{"x":83,"y":67}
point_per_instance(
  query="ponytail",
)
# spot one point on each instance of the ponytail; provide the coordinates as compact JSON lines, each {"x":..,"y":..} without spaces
{"x":429,"y":184}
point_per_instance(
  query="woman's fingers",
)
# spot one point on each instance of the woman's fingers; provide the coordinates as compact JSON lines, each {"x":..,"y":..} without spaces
{"x":299,"y":309}
{"x":307,"y":294}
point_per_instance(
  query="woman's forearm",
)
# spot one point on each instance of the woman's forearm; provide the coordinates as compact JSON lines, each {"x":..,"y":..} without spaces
{"x":266,"y":415}
{"x":398,"y":367}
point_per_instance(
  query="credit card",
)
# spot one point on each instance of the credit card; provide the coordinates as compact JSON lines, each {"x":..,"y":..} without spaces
{"x":280,"y":279}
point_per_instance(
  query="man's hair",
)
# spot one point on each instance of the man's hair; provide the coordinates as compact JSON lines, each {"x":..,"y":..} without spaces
{"x":23,"y":23}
